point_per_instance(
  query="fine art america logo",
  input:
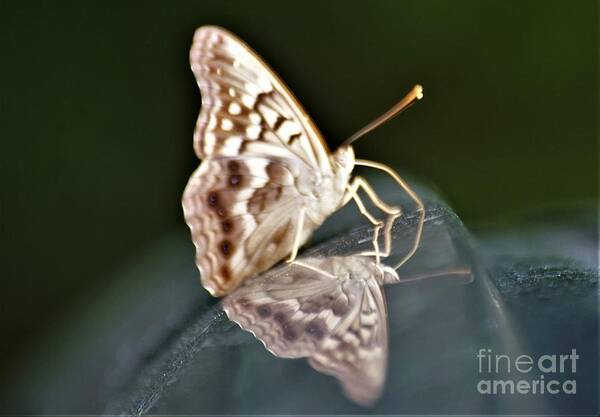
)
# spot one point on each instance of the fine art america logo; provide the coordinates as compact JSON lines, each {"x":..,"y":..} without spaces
{"x":525,"y":374}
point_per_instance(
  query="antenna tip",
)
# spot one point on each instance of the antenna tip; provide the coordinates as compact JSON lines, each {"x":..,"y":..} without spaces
{"x":418,"y":91}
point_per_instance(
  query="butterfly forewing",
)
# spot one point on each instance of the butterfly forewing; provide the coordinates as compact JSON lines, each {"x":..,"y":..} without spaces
{"x":246,"y":108}
{"x":333,"y":313}
{"x":259,"y":148}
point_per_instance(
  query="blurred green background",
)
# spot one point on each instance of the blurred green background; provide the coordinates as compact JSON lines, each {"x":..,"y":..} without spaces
{"x":98,"y":107}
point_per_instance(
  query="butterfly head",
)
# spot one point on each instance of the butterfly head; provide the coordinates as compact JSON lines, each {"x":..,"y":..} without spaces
{"x":343,"y":160}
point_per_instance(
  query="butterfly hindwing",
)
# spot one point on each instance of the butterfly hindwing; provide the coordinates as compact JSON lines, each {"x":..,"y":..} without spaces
{"x":240,"y":212}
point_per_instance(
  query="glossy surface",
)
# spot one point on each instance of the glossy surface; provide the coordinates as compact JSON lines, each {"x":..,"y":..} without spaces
{"x":157,"y":343}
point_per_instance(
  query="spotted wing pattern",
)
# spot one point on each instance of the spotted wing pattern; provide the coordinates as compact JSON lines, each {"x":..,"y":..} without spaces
{"x":241,"y":213}
{"x":356,"y":354}
{"x":257,"y":144}
{"x":246,"y":108}
{"x":329,"y":310}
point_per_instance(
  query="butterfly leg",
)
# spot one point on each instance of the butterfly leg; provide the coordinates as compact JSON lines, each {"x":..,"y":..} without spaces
{"x":411,"y":193}
{"x":357,"y":183}
{"x":360,"y":182}
{"x":298,"y":236}
{"x":387,"y":233}
{"x":392,"y":211}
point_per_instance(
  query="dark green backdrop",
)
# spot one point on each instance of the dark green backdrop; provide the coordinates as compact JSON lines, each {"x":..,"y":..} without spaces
{"x":98,"y":107}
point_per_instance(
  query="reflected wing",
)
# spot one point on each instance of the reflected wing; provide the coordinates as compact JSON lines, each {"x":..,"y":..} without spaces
{"x":356,"y":354}
{"x":338,"y":321}
{"x":291,"y":309}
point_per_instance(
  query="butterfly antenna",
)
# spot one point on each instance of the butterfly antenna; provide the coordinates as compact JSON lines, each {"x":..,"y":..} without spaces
{"x":415,"y":94}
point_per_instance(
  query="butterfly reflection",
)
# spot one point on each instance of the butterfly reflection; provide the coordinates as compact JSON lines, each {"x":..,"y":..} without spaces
{"x":332,"y":309}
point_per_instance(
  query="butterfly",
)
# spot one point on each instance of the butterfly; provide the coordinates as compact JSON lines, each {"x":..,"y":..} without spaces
{"x":330,"y":310}
{"x":267,"y":179}
{"x":329,"y":305}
